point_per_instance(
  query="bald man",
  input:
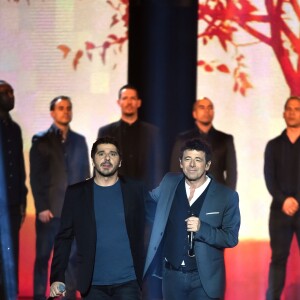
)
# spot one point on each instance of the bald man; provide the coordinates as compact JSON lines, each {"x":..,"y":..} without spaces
{"x":224,"y":167}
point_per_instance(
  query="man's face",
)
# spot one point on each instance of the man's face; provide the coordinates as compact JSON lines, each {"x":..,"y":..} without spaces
{"x":194,"y":165}
{"x":7,"y":98}
{"x":106,"y":160}
{"x":291,"y":113}
{"x":203,"y":111}
{"x":62,"y":113}
{"x":129,"y":102}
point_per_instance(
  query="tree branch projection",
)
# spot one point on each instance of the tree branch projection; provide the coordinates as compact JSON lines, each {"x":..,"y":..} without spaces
{"x":222,"y":21}
{"x":112,"y":41}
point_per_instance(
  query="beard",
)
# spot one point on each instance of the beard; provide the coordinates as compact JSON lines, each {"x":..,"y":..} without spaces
{"x":107,"y":173}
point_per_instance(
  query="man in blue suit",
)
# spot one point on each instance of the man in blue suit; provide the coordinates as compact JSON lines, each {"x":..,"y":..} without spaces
{"x":196,"y":219}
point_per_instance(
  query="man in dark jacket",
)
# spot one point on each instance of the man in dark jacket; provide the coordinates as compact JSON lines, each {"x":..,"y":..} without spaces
{"x":12,"y":193}
{"x":58,"y":158}
{"x":224,"y":168}
{"x":282,"y":175}
{"x":106,"y":217}
{"x":139,"y":141}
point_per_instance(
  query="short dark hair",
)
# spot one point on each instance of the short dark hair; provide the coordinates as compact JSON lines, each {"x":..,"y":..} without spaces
{"x":53,"y":102}
{"x":128,"y":86}
{"x":105,"y":140}
{"x":198,"y":145}
{"x":203,"y":98}
{"x":290,"y":98}
{"x":4,"y":82}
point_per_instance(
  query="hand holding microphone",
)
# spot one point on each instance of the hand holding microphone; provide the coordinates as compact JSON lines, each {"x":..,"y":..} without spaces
{"x":57,"y":289}
{"x":193,"y":225}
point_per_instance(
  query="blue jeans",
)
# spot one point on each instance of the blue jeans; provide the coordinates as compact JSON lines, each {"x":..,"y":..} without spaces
{"x":282,"y":229}
{"x":177,"y":285}
{"x":125,"y":291}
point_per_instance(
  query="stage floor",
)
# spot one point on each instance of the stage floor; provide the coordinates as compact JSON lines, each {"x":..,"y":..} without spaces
{"x":246,"y":268}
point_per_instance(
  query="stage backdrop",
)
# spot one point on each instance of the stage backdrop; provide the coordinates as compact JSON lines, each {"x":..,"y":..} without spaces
{"x":76,"y":48}
{"x":79,"y":48}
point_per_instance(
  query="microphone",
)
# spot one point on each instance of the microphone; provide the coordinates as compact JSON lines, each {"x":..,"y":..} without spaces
{"x":191,"y":252}
{"x":61,"y":288}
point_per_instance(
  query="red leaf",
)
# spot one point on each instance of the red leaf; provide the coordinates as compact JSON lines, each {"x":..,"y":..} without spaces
{"x":242,"y":91}
{"x":65,"y":49}
{"x":89,"y":46}
{"x":208,"y":68}
{"x":77,"y":57}
{"x":89,"y":55}
{"x":223,"y":68}
{"x":200,"y":63}
{"x":235,"y":87}
{"x":114,"y":20}
{"x":112,"y":36}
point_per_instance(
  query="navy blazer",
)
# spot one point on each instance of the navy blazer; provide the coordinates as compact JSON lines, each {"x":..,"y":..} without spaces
{"x":49,"y":173}
{"x":78,"y":221}
{"x":220,"y":223}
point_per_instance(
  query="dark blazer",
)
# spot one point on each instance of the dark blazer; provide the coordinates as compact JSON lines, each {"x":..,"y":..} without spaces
{"x":148,"y":143}
{"x":78,"y":221}
{"x":223,"y":154}
{"x":49,"y":173}
{"x":220,"y":222}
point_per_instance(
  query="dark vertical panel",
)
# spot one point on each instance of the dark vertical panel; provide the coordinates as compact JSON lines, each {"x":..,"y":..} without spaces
{"x":162,"y":63}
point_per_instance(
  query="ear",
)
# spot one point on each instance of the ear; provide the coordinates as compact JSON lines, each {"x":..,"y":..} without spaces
{"x":180,"y":164}
{"x":120,"y":163}
{"x":194,"y":114}
{"x":139,"y":103}
{"x":207,"y":165}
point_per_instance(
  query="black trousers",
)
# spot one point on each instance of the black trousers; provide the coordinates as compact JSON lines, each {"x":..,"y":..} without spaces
{"x":281,"y":228}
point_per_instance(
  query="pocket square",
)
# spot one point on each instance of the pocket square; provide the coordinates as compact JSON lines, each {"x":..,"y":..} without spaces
{"x":213,"y":213}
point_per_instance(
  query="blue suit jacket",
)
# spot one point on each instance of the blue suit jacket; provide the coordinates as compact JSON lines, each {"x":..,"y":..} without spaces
{"x":220,"y":223}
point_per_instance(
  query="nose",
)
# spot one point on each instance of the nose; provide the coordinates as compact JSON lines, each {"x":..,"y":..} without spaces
{"x":107,"y":156}
{"x":192,"y":163}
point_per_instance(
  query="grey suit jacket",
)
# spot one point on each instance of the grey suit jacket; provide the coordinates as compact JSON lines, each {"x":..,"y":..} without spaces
{"x":220,"y":223}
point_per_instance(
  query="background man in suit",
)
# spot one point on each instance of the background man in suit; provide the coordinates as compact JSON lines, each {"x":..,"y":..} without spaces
{"x":12,"y":193}
{"x":282,"y":175}
{"x":196,"y":219}
{"x":58,"y":158}
{"x":106,"y":216}
{"x":139,"y":141}
{"x":224,"y":167}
